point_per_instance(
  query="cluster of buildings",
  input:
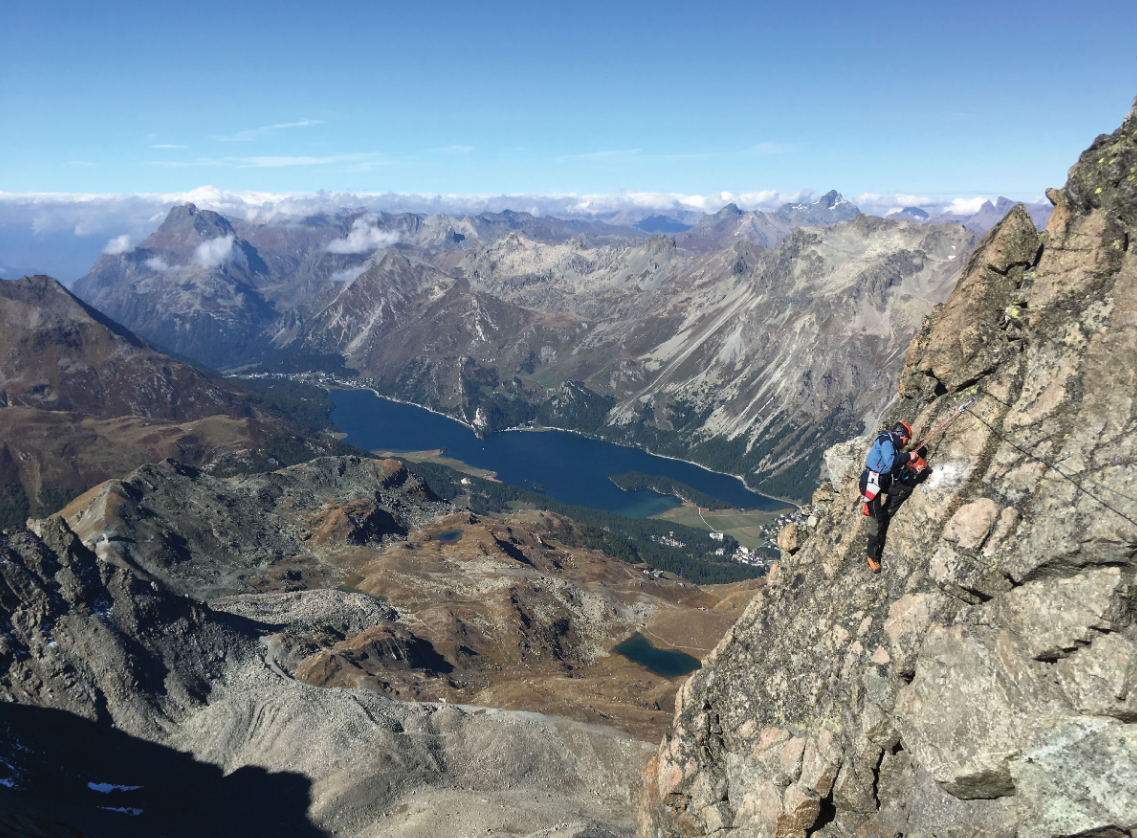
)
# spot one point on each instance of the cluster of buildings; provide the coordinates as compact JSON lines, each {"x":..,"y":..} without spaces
{"x":320,"y":379}
{"x":670,"y":540}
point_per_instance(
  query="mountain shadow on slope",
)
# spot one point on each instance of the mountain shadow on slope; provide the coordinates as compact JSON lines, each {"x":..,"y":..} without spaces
{"x":55,"y":763}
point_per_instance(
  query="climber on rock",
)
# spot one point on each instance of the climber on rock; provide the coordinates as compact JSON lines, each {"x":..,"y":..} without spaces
{"x":889,"y":470}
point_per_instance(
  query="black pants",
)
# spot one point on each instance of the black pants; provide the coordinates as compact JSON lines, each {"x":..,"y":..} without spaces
{"x":898,"y":489}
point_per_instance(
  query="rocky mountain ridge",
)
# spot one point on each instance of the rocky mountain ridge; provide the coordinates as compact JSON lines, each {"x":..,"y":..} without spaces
{"x":57,"y":353}
{"x":679,"y":353}
{"x":983,"y":682}
{"x":489,"y":325}
{"x":731,"y":225}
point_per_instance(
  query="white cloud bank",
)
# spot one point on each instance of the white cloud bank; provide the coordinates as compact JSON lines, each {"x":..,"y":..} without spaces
{"x":94,"y":214}
{"x":213,"y":253}
{"x":363,"y":237}
{"x":63,"y":233}
{"x":965,"y":206}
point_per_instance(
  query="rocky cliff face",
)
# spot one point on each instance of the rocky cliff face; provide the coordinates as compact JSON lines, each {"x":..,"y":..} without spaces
{"x":984,"y":683}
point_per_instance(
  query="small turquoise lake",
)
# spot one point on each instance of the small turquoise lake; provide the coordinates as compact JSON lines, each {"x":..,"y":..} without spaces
{"x":667,"y":663}
{"x":571,"y":468}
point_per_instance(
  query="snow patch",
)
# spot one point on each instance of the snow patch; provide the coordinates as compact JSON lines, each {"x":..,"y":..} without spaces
{"x":107,"y":788}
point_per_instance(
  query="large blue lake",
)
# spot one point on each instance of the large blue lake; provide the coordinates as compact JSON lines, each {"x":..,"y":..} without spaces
{"x":571,"y":468}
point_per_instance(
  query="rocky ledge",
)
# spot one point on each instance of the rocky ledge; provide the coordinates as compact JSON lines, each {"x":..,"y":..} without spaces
{"x":985,"y":682}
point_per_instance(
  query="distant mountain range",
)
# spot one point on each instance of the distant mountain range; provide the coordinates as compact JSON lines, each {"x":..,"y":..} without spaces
{"x":730,"y":224}
{"x":735,"y":342}
{"x":986,"y":217}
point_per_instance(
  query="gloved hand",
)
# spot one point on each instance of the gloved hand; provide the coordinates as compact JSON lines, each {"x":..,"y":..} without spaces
{"x":918,"y":464}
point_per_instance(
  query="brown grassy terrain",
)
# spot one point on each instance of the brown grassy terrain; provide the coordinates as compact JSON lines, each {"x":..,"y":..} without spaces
{"x":525,"y":622}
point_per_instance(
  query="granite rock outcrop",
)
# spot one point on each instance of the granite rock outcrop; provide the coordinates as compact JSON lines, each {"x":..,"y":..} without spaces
{"x":984,"y":683}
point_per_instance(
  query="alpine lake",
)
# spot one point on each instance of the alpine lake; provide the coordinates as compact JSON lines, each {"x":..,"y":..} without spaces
{"x":565,"y":466}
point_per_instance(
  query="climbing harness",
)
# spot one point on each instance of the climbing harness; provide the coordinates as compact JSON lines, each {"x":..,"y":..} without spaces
{"x":872,"y":487}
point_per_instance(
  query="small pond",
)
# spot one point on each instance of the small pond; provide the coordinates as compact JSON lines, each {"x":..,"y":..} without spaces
{"x":349,"y":589}
{"x":447,"y":536}
{"x":667,"y":663}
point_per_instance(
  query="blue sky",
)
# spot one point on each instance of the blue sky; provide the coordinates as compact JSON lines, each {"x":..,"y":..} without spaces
{"x":945,"y":99}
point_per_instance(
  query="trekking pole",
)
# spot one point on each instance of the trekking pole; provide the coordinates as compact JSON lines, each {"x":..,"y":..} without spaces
{"x":944,"y":424}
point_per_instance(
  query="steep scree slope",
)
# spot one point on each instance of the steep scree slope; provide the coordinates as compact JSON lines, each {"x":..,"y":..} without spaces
{"x":985,"y":682}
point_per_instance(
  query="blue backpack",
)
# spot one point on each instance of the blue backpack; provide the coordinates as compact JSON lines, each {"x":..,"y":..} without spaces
{"x":882,"y":455}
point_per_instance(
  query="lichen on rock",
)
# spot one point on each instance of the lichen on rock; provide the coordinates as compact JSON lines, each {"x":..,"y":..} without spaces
{"x":984,"y":683}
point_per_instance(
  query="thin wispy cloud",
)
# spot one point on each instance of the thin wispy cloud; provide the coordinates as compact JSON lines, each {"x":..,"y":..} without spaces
{"x":282,"y":162}
{"x":362,"y":160}
{"x":689,"y":155}
{"x":608,"y":154}
{"x":349,"y":274}
{"x":250,"y":134}
{"x":80,"y":163}
{"x":166,"y":145}
{"x":629,"y":153}
{"x":185,"y":164}
{"x":367,"y":165}
{"x":772,"y":148}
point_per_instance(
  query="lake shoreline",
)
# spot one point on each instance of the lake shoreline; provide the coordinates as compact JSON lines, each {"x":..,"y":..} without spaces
{"x":543,"y":428}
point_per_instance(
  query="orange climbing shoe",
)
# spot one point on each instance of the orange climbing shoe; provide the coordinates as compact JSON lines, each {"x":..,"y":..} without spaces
{"x":874,"y":565}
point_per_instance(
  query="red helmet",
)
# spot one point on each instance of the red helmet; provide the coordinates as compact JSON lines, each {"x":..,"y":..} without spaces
{"x":904,"y":429}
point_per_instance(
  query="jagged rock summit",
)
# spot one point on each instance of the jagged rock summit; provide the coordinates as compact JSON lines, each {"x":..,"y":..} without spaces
{"x":831,"y":208}
{"x":985,"y":682}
